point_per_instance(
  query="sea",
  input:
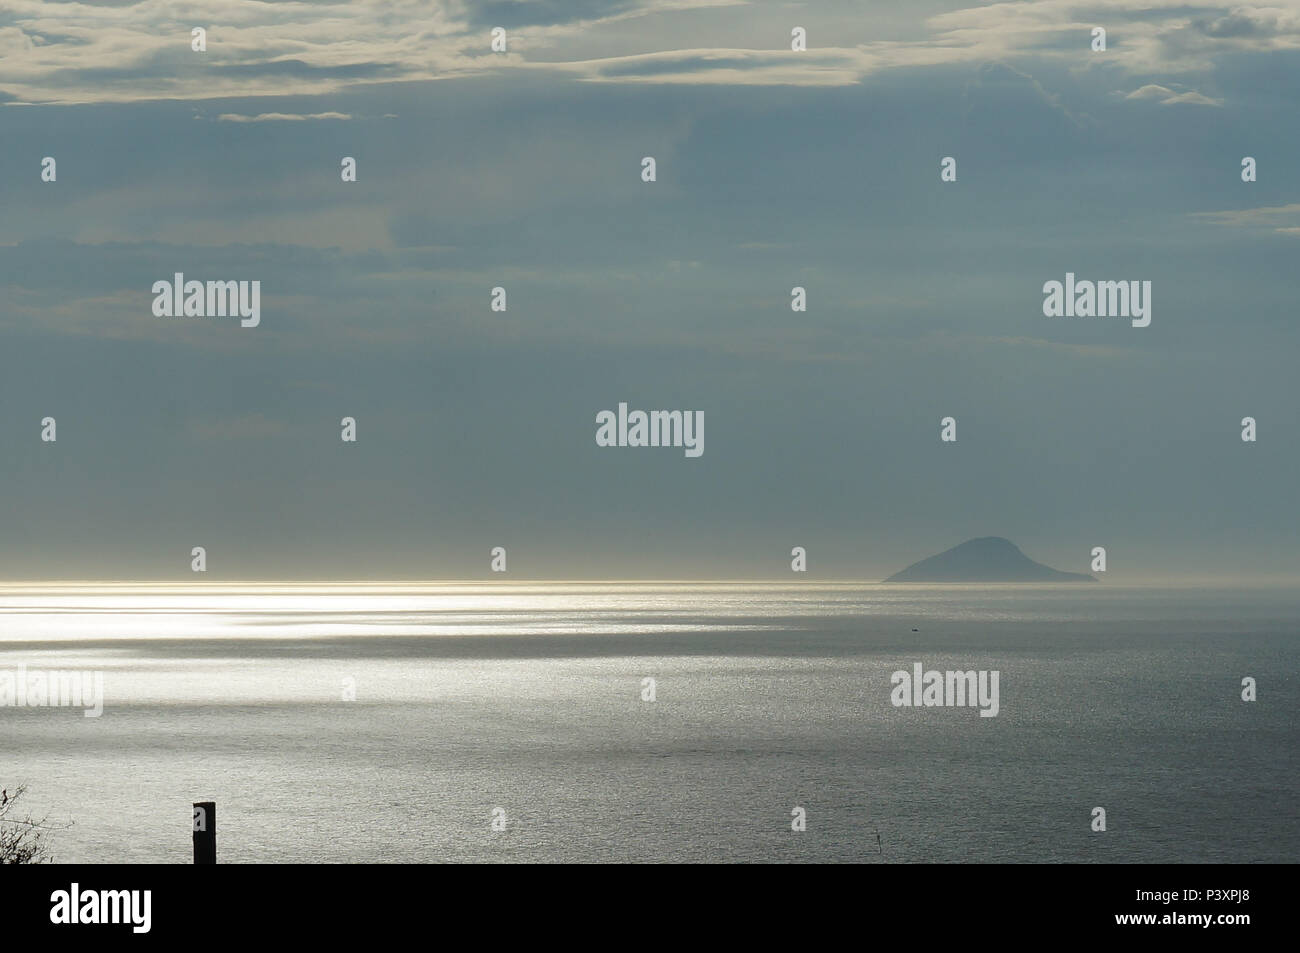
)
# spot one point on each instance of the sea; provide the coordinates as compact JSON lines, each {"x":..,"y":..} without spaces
{"x":657,"y":722}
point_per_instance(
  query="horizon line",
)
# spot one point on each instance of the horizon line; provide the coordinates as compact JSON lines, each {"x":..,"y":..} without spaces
{"x":1190,"y":580}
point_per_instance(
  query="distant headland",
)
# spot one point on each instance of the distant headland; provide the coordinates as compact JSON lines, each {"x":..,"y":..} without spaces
{"x":987,"y":559}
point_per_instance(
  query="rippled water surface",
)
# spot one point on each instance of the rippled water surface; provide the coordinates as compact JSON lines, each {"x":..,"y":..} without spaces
{"x":529,"y":699}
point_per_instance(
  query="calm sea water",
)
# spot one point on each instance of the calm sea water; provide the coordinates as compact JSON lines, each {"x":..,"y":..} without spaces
{"x":528,"y":699}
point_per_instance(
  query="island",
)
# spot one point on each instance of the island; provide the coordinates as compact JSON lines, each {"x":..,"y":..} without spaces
{"x":987,"y":559}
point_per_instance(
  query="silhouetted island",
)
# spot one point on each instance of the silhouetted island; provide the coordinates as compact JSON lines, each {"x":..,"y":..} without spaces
{"x":987,"y":559}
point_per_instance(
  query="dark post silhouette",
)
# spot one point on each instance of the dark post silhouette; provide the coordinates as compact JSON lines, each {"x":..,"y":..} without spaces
{"x":205,"y":832}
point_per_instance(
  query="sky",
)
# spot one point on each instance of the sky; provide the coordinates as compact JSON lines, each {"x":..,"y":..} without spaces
{"x":774,"y":169}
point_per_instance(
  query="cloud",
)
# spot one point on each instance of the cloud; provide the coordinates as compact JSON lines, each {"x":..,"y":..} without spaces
{"x":277,"y":117}
{"x":1192,"y":97}
{"x":1250,"y":22}
{"x":997,"y":85}
{"x":831,"y":67}
{"x":141,"y":51}
{"x":1283,"y":219}
{"x":1166,"y":96}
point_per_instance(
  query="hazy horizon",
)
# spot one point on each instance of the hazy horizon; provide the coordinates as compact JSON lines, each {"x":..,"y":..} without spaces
{"x":218,"y":583}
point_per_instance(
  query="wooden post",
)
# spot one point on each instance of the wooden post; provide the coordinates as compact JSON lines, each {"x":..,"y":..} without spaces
{"x":205,"y":832}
